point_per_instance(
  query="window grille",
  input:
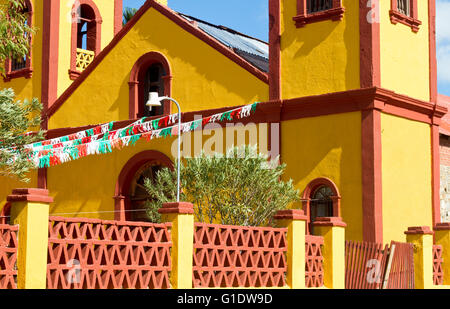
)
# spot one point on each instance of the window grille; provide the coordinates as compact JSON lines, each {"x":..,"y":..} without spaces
{"x":404,"y":7}
{"x":314,"y":6}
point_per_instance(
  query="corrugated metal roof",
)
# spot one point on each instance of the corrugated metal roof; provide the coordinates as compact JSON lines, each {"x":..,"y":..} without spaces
{"x":251,"y":48}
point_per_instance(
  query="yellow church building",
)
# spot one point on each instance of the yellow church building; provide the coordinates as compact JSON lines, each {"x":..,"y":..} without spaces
{"x":347,"y":92}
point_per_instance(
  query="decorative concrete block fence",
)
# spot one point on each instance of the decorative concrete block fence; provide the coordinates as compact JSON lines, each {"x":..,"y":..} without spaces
{"x":39,"y":251}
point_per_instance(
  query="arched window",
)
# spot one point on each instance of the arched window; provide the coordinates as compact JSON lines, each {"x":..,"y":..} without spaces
{"x":153,"y":82}
{"x":21,"y":67}
{"x":130,"y":194}
{"x":321,"y":199}
{"x":151,"y":73}
{"x":86,"y":36}
{"x":138,"y":195}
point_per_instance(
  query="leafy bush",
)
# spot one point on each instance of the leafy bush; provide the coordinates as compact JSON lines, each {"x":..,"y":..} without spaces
{"x":242,"y":188}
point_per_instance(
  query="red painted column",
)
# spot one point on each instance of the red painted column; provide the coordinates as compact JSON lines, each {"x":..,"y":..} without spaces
{"x":274,"y":50}
{"x":371,"y":176}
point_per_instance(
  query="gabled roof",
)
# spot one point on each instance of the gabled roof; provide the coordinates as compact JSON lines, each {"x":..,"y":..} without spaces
{"x":251,"y":49}
{"x":177,"y":19}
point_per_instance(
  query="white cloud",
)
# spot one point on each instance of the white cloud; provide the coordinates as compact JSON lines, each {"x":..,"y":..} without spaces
{"x":443,"y":40}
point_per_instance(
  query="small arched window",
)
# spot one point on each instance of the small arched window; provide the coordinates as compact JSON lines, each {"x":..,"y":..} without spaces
{"x":321,"y":199}
{"x":130,"y":194}
{"x":21,"y":67}
{"x":153,"y":82}
{"x":138,"y":194}
{"x":86,"y":36}
{"x":151,"y":73}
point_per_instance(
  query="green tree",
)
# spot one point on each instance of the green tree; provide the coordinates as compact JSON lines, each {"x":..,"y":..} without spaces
{"x":16,"y":117}
{"x":128,"y":14}
{"x":242,"y":188}
{"x":14,"y":31}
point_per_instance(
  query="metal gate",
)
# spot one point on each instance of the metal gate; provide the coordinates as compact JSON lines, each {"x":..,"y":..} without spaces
{"x":372,"y":266}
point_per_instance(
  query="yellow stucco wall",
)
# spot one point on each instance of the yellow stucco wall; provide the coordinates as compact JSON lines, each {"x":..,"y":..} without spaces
{"x":86,"y":187}
{"x":202,"y":77}
{"x":322,"y":57}
{"x":29,"y":88}
{"x":406,"y":174}
{"x":327,"y":146}
{"x":404,"y":54}
{"x":106,"y":9}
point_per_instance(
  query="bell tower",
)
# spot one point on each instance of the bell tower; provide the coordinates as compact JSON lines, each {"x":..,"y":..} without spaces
{"x":327,"y":46}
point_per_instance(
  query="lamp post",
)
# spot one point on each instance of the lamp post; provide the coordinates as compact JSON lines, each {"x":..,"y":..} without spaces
{"x":155,"y":100}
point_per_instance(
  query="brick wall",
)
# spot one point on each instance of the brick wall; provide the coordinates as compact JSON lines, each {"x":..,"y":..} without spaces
{"x":444,"y":143}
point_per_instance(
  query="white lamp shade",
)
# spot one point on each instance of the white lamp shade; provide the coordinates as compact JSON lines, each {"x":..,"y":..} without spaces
{"x":153,"y":100}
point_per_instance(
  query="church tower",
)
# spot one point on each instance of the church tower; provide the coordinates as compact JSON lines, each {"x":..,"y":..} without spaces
{"x":69,"y":35}
{"x":326,"y":46}
{"x":362,"y":77}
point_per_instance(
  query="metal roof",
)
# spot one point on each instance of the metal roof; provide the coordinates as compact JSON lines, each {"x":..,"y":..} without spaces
{"x":253,"y":50}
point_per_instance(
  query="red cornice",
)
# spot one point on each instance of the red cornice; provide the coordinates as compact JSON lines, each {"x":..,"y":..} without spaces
{"x":173,"y":17}
{"x":327,"y":104}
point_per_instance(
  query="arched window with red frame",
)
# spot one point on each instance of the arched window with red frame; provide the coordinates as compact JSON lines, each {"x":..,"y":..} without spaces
{"x":130,"y":194}
{"x":151,"y":73}
{"x":21,"y":67}
{"x":86,"y":36}
{"x":321,"y":199}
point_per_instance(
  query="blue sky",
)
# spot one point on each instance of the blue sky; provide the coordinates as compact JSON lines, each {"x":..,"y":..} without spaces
{"x":251,"y":17}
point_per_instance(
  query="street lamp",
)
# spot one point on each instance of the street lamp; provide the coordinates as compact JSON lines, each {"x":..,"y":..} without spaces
{"x":155,"y":100}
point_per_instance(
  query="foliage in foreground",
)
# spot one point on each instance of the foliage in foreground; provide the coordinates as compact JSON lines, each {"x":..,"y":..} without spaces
{"x":14,"y":31}
{"x":242,"y":188}
{"x":16,"y":118}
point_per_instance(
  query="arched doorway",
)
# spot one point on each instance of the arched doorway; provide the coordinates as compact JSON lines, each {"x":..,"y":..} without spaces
{"x":130,"y":194}
{"x":321,"y":199}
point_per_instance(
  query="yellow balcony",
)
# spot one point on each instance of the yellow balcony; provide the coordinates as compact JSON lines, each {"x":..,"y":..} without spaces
{"x":84,"y":58}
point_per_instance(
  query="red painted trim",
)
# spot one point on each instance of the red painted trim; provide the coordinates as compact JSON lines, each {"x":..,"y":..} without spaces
{"x":371,"y":175}
{"x":137,"y":72}
{"x":432,"y":48}
{"x":330,"y":221}
{"x":26,"y":72}
{"x":369,"y":33}
{"x":333,"y":103}
{"x":311,"y":189}
{"x":177,"y":208}
{"x":30,"y":195}
{"x":179,"y":21}
{"x":73,"y":72}
{"x":122,"y":191}
{"x":274,"y":50}
{"x":435,"y":152}
{"x":443,"y":226}
{"x":435,"y":175}
{"x":303,"y":18}
{"x":118,"y":16}
{"x":411,"y":21}
{"x":291,"y":214}
{"x":42,"y":178}
{"x":50,"y":55}
{"x":419,"y":230}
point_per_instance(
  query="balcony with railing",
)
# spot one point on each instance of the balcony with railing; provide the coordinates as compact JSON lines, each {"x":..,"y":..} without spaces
{"x":84,"y":59}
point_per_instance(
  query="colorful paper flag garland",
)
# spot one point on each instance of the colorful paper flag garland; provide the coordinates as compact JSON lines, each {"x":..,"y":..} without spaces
{"x":102,"y":139}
